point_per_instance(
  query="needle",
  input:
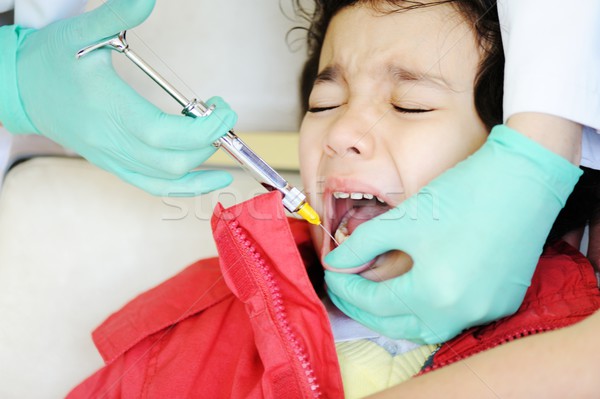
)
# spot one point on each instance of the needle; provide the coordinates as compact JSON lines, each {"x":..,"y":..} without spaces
{"x":329,"y":234}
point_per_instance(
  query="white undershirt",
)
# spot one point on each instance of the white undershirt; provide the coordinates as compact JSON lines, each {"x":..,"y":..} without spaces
{"x":346,"y":329}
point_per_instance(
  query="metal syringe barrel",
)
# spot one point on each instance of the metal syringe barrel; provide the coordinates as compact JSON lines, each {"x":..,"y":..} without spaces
{"x":293,"y":199}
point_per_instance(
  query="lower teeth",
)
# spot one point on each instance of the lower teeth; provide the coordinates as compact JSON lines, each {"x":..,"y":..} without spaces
{"x":341,"y":234}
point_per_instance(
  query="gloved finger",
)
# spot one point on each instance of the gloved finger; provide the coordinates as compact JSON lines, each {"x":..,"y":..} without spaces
{"x":107,"y":20}
{"x":163,"y":164}
{"x":380,"y":299}
{"x":179,"y":132}
{"x":128,"y":153}
{"x":406,"y":326}
{"x":372,"y":238}
{"x":192,"y":184}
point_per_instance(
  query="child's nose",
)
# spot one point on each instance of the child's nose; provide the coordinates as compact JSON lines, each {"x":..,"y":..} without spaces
{"x":351,"y":135}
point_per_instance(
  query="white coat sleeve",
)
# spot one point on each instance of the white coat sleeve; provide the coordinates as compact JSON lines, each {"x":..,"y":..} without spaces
{"x":552,"y":50}
{"x":38,"y":13}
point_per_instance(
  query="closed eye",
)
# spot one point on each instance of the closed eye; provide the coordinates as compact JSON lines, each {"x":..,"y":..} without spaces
{"x":321,"y":109}
{"x":411,"y":110}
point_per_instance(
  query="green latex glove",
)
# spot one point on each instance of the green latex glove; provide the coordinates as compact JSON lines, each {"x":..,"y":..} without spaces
{"x":85,"y":106}
{"x":475,"y":242}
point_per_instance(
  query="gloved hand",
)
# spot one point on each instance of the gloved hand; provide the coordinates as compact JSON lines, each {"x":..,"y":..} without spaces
{"x":85,"y":106}
{"x":475,"y":242}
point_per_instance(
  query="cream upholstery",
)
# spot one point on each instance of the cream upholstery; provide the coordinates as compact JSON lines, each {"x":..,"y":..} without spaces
{"x":75,"y":244}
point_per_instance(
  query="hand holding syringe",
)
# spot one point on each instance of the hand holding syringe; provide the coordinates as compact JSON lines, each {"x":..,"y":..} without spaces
{"x":293,"y":199}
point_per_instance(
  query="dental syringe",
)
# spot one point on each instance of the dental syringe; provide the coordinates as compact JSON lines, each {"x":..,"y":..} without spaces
{"x":293,"y":199}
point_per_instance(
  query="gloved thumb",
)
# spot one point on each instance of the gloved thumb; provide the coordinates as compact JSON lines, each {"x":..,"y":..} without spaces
{"x":109,"y":19}
{"x":370,"y":239}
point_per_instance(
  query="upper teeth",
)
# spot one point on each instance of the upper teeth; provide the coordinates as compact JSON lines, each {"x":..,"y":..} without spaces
{"x":355,"y":196}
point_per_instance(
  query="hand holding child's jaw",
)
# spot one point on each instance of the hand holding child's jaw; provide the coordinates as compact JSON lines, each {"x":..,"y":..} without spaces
{"x":454,"y":282}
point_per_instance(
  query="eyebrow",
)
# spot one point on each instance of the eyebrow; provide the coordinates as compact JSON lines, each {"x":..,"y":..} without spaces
{"x":398,"y":73}
{"x":329,"y":74}
{"x":401,"y":74}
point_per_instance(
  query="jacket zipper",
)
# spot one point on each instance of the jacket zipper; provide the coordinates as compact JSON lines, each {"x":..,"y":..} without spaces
{"x":276,"y":305}
{"x":507,"y":338}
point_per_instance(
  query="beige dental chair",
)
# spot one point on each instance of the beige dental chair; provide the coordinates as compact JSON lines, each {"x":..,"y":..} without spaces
{"x":76,"y":242}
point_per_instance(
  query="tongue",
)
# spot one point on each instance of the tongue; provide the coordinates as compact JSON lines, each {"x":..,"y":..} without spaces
{"x":362,"y":214}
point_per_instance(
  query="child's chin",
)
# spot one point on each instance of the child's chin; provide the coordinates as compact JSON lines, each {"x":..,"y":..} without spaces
{"x":388,"y":265}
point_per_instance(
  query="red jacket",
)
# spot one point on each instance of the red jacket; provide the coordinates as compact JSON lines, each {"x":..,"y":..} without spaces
{"x":249,"y":324}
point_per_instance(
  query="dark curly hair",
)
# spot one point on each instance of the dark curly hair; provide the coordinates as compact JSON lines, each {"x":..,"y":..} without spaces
{"x":481,"y":14}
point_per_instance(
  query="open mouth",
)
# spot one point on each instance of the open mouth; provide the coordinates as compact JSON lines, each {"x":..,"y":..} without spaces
{"x":347,"y":211}
{"x":354,"y":209}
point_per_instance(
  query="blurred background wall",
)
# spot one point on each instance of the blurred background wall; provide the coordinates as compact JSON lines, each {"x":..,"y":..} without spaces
{"x":237,"y":49}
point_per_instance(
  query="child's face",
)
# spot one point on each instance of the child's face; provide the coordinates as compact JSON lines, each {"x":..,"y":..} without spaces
{"x":392,"y":108}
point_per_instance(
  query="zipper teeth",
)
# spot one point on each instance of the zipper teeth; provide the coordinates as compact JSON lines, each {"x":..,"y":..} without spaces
{"x":279,"y":309}
{"x":493,"y":344}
